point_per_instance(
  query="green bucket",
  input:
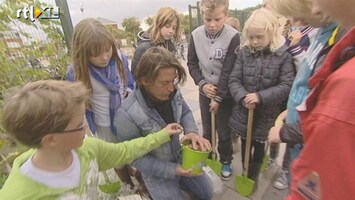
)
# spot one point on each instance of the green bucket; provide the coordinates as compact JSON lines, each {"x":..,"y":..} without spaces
{"x":193,"y":159}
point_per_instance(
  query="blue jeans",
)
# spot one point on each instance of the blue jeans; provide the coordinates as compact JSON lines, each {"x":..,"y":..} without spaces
{"x":199,"y":187}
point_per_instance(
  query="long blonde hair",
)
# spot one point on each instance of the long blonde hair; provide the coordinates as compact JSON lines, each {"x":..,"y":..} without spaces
{"x":92,"y":38}
{"x":264,"y":19}
{"x":165,"y":16}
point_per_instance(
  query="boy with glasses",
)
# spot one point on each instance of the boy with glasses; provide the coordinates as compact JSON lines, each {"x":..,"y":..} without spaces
{"x":62,"y":164}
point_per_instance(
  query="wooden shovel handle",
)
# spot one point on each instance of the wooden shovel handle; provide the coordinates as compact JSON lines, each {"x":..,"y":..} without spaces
{"x":213,"y":133}
{"x":248,"y":140}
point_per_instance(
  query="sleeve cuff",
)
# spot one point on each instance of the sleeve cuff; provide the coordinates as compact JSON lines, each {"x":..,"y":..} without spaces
{"x":295,"y":50}
{"x":201,"y":84}
{"x":259,"y":96}
{"x":218,"y":99}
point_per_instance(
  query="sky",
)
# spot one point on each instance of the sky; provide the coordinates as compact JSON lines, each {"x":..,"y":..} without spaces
{"x":117,"y":10}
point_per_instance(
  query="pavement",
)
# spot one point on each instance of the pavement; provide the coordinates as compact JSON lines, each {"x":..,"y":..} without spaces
{"x":265,"y":189}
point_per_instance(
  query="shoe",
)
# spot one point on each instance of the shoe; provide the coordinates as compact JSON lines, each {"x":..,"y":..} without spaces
{"x":281,"y":181}
{"x":226,"y":172}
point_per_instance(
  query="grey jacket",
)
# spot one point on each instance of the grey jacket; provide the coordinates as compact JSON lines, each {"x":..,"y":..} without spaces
{"x":210,"y":60}
{"x":268,"y":74}
{"x":135,"y":119}
{"x":144,"y":43}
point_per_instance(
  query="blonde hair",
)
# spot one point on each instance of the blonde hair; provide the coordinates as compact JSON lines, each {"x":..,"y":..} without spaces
{"x":153,"y":60}
{"x":233,"y":22}
{"x":92,"y":38}
{"x":264,"y":19}
{"x":211,"y":5}
{"x":42,"y":107}
{"x":165,"y":16}
{"x":295,"y":8}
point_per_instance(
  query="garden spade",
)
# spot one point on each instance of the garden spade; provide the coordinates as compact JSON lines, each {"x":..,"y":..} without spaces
{"x":109,"y":187}
{"x":213,"y":162}
{"x":244,"y":185}
{"x":265,"y":165}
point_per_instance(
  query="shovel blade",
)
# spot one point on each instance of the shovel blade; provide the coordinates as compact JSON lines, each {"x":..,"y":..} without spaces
{"x":265,"y":164}
{"x":215,"y":165}
{"x":244,"y":185}
{"x":110,"y":188}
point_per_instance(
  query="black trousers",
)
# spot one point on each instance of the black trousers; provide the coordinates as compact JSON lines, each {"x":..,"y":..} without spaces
{"x":225,"y":148}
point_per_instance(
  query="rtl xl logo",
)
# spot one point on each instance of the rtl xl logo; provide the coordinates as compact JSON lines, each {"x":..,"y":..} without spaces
{"x":34,"y":13}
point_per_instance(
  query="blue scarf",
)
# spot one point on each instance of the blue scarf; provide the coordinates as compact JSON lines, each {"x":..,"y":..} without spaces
{"x":112,"y":81}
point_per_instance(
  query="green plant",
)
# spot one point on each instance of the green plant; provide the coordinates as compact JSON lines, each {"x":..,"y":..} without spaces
{"x":25,"y":58}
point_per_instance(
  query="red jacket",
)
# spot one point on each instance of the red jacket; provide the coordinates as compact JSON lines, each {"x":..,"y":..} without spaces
{"x":326,"y":165}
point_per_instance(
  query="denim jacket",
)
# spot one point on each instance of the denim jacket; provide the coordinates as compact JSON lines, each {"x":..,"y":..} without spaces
{"x":135,"y":119}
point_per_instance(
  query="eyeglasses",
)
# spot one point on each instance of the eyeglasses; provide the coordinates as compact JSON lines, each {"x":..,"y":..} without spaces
{"x":81,"y":128}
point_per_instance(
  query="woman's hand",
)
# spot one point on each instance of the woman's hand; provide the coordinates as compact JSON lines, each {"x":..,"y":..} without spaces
{"x":197,"y":141}
{"x":185,"y":172}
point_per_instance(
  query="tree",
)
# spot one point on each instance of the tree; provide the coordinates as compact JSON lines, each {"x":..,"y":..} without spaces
{"x":243,"y":14}
{"x":149,"y":20}
{"x":132,"y":27}
{"x":24,"y":58}
{"x":117,"y":33}
{"x":16,"y":70}
{"x":185,"y":27}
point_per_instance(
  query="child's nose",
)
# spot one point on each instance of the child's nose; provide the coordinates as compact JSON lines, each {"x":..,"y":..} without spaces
{"x":105,"y":56}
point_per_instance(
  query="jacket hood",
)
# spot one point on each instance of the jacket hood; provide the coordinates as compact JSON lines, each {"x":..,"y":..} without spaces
{"x":143,"y":36}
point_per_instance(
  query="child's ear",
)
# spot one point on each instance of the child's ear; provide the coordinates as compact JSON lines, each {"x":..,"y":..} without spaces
{"x":49,"y":140}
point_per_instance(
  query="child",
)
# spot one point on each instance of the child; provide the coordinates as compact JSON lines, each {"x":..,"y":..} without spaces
{"x":302,"y":35}
{"x":210,"y":61}
{"x":327,"y":118}
{"x":262,"y":77}
{"x":299,"y":39}
{"x":98,"y":64}
{"x":63,"y":164}
{"x":233,"y":22}
{"x":164,"y":32}
{"x":320,"y":45}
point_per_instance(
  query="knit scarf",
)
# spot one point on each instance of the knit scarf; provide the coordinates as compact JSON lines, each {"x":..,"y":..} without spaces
{"x":112,"y":81}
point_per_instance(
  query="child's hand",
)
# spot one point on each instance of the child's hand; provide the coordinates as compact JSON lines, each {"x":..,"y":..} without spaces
{"x":174,"y":128}
{"x":295,"y":37}
{"x":281,"y":118}
{"x":210,"y":90}
{"x":274,"y":134}
{"x":214,"y":106}
{"x":251,"y":98}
